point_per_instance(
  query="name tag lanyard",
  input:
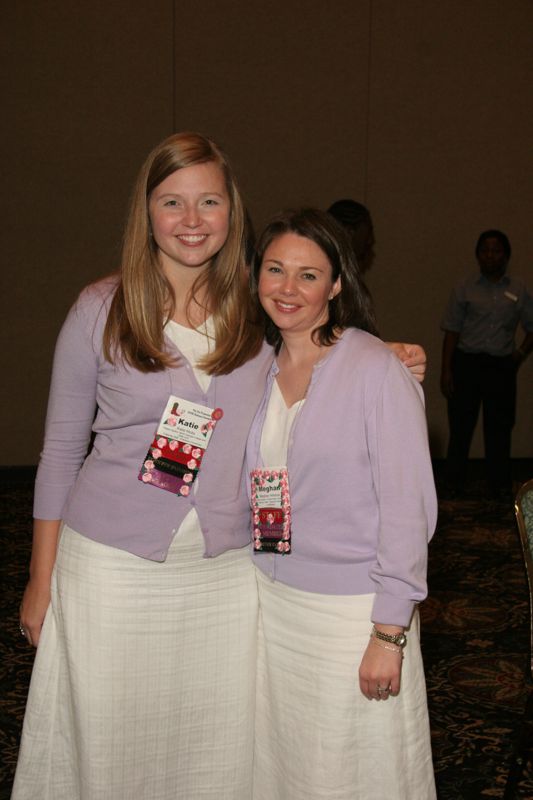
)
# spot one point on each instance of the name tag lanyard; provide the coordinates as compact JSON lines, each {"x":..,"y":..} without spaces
{"x":182,"y":436}
{"x":271,"y":505}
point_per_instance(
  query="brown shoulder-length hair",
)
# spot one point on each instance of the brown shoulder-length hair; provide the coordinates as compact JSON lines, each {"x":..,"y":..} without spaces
{"x":352,"y":307}
{"x":144,"y":300}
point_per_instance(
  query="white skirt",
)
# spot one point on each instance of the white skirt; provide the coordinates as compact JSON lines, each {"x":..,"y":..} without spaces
{"x":144,"y":679}
{"x":317,"y":736}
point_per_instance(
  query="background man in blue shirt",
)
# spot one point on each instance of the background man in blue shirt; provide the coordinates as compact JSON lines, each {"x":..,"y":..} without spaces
{"x":480,"y":360}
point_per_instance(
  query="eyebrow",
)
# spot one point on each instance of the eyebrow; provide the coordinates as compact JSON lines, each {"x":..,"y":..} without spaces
{"x":280,"y":263}
{"x":203,"y":194}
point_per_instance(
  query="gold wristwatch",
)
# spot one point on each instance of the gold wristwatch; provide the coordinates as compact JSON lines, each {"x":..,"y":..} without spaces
{"x":399,"y":639}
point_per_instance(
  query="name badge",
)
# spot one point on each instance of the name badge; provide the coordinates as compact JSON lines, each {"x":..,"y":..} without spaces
{"x":271,"y":510}
{"x":175,"y":455}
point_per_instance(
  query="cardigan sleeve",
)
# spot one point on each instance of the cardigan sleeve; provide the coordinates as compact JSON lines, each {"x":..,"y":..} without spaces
{"x":71,"y":405}
{"x":403,"y":478}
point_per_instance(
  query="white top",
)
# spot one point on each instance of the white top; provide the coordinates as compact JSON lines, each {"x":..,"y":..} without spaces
{"x":277,"y":427}
{"x":194,"y":344}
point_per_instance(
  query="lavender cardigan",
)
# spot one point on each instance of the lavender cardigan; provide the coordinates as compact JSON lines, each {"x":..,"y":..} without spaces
{"x":363,"y":503}
{"x":100,"y":496}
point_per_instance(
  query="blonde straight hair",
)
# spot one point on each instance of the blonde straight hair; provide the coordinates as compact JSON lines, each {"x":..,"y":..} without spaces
{"x":144,"y":299}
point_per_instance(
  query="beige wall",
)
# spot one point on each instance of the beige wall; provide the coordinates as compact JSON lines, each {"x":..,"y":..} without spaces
{"x":88,"y":90}
{"x":423,"y":110}
{"x":450,"y":155}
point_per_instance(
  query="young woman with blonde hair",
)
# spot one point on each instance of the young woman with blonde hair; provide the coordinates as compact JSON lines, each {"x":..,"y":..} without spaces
{"x":144,"y":675}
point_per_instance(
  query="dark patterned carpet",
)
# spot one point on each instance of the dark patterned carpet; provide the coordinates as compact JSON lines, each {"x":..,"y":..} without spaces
{"x":475,"y":629}
{"x":475,"y":633}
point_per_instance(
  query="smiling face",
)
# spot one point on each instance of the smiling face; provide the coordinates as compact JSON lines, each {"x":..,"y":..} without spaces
{"x":295,"y":284}
{"x":189,"y":215}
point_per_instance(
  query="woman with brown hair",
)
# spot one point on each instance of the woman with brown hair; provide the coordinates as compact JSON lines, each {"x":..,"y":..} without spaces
{"x":343,"y":507}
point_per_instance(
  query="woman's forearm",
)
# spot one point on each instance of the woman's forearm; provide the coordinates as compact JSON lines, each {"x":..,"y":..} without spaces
{"x":43,"y":553}
{"x":36,"y":598}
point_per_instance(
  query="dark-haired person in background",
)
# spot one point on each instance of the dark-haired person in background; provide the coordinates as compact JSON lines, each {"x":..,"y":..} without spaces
{"x":356,"y":220}
{"x":480,"y":360}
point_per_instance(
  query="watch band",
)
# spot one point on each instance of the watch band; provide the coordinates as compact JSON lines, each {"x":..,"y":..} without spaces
{"x":399,"y":639}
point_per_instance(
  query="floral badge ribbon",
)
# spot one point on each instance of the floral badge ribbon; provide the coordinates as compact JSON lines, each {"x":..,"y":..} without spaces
{"x":181,"y":439}
{"x":271,"y":510}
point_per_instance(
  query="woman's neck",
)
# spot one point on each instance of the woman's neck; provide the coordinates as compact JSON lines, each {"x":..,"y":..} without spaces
{"x":296,"y":361}
{"x":190,"y":311}
{"x":299,"y":350}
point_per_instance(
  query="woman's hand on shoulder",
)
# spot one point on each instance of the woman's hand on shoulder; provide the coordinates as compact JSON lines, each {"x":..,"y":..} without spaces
{"x":33,"y":608}
{"x":413,"y":356}
{"x":380,"y":672}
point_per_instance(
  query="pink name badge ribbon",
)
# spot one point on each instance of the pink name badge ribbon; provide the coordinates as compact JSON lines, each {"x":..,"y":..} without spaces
{"x":175,"y":455}
{"x":271,"y":510}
